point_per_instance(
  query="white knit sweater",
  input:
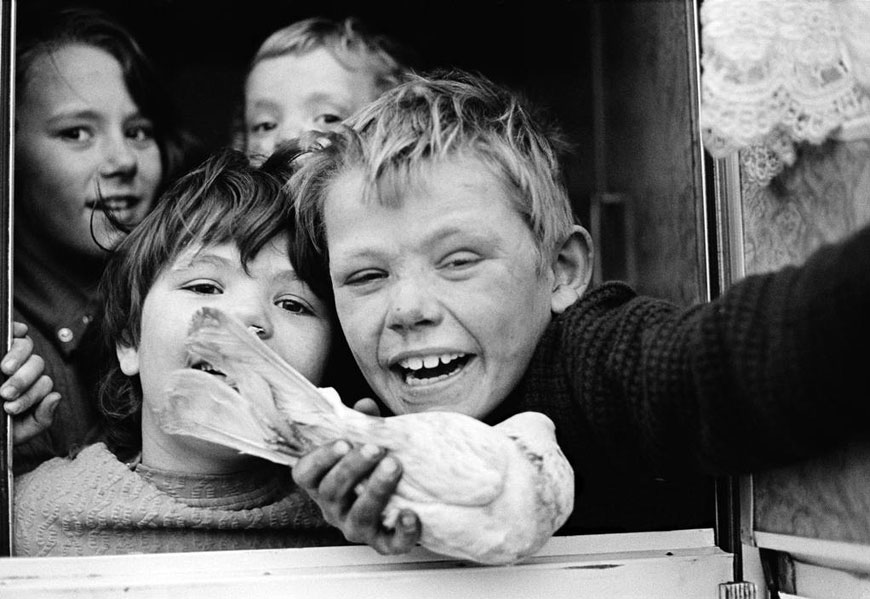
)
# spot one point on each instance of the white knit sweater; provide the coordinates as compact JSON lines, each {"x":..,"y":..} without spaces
{"x":94,"y":504}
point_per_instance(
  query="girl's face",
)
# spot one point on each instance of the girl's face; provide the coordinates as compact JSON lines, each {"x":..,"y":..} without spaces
{"x":82,"y":148}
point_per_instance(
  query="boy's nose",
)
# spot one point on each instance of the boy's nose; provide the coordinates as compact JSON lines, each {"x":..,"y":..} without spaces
{"x":413,"y":306}
{"x":289,"y":130}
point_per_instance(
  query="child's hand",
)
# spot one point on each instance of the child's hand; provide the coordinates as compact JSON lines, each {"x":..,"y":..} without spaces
{"x":27,"y":392}
{"x":352,"y":487}
{"x":367,"y":406}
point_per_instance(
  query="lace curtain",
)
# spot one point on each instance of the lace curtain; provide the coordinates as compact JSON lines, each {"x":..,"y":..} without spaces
{"x":781,"y":72}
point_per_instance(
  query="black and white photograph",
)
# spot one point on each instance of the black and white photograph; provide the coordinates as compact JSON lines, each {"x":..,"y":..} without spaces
{"x":381,"y":299}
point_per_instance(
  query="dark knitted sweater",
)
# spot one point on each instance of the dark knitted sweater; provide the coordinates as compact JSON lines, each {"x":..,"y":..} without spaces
{"x":59,"y":311}
{"x":769,"y":372}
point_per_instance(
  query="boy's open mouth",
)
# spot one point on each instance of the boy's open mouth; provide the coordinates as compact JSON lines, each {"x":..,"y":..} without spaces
{"x":423,"y":370}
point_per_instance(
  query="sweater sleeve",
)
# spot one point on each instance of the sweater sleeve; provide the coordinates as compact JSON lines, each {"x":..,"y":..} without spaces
{"x":769,"y":372}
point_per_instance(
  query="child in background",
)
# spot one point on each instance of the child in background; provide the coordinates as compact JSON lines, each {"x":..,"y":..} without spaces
{"x":460,"y":282}
{"x":312,"y":75}
{"x":95,"y":137}
{"x":220,"y":238}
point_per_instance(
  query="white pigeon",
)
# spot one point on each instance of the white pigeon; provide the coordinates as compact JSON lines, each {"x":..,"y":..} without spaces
{"x":487,"y":494}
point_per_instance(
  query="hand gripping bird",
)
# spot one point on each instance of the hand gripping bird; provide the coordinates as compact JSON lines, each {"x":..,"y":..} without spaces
{"x":487,"y":494}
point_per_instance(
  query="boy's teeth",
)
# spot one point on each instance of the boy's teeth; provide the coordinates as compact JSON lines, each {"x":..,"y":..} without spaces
{"x":416,"y":363}
{"x":430,"y":369}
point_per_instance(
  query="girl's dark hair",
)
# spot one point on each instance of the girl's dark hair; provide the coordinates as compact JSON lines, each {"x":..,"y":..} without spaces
{"x":224,"y":200}
{"x":44,"y":34}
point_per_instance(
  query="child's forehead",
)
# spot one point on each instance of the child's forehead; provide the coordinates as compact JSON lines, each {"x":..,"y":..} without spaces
{"x":321,"y":64}
{"x":395,"y":185}
{"x":228,"y":254}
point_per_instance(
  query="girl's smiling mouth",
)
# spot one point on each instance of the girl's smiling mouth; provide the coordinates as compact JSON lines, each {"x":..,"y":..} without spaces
{"x":114,"y":203}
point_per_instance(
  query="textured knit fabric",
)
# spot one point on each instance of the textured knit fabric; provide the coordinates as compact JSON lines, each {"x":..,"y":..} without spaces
{"x":772,"y":371}
{"x":59,"y":314}
{"x":94,"y":504}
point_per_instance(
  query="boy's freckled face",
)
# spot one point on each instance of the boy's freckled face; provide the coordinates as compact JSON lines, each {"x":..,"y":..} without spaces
{"x":288,"y":95}
{"x":295,"y":322}
{"x":439,"y":298}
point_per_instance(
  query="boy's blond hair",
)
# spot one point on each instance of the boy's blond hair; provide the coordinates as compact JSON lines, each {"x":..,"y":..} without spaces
{"x":437,"y":118}
{"x":349,"y":41}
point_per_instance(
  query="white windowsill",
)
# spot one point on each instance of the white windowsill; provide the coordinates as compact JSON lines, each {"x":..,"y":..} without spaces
{"x":659,"y":564}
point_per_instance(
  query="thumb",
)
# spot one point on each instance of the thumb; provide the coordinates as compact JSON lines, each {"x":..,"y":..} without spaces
{"x":367,"y":406}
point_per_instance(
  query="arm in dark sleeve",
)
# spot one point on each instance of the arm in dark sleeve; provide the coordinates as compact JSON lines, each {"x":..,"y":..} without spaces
{"x":771,"y":371}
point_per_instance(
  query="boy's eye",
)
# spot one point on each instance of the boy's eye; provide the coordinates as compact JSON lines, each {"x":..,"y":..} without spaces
{"x":294,"y":306}
{"x":203,"y":288}
{"x":76,"y":134}
{"x":460,"y":260}
{"x":364,"y":277}
{"x":262,"y":126}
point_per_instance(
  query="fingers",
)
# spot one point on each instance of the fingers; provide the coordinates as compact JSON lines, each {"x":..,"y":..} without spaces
{"x":19,"y":329}
{"x":35,"y":421}
{"x":404,"y":537}
{"x":22,"y":367}
{"x":331,"y":477}
{"x":367,"y":406}
{"x":312,"y":467}
{"x":32,"y":393}
{"x":27,"y":392}
{"x":19,"y":352}
{"x":353,"y":486}
{"x":376,"y":480}
{"x":366,"y":512}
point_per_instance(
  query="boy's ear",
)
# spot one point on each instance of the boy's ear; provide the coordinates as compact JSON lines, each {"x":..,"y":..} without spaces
{"x":572,"y":267}
{"x":128,"y":358}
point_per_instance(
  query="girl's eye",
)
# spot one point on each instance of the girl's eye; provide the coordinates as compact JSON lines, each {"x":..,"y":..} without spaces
{"x":293,"y":306}
{"x":203,"y":288}
{"x":328,"y":120}
{"x":76,"y":134}
{"x":141,"y":133}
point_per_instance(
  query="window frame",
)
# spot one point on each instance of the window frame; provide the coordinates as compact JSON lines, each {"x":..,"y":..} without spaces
{"x":667,"y":564}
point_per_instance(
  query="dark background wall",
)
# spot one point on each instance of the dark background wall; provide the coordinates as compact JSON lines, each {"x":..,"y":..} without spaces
{"x":203,"y":47}
{"x":615,"y":74}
